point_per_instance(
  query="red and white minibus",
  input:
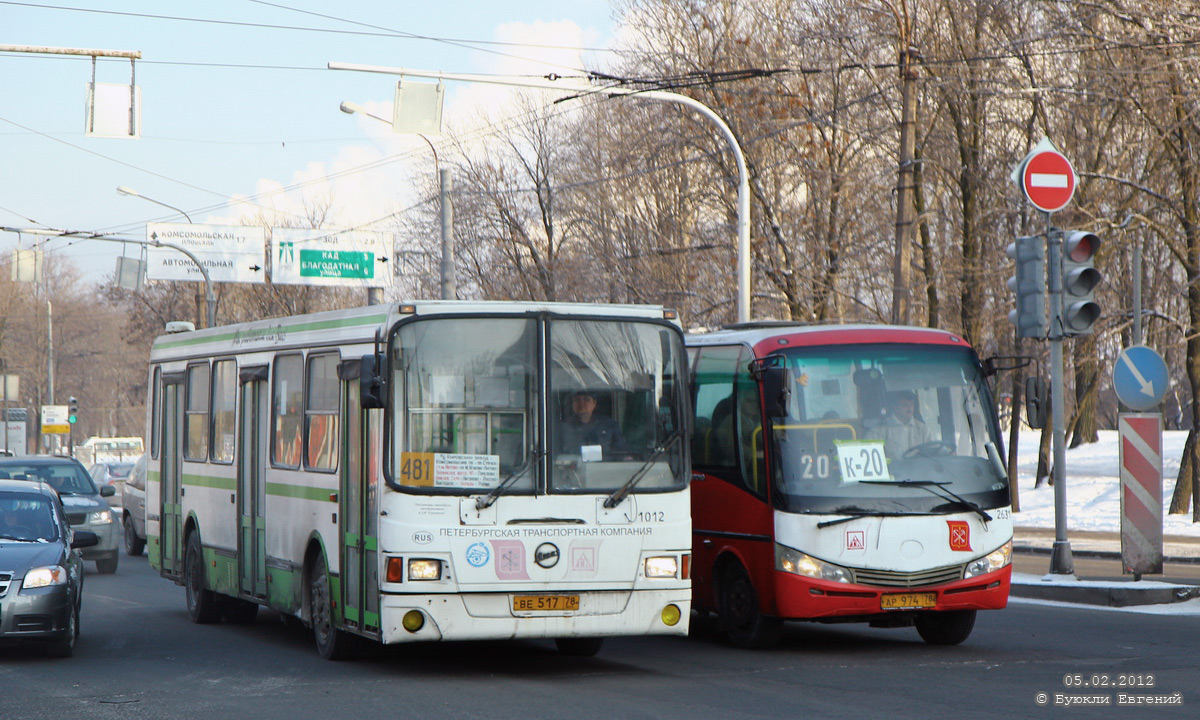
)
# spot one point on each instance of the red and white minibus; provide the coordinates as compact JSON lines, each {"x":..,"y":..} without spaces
{"x":847,"y":473}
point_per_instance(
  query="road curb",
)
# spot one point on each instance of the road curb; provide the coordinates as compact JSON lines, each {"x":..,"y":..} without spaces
{"x":1105,"y":594}
{"x":1026,"y":549}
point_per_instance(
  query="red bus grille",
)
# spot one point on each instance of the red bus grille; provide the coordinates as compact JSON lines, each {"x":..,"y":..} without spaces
{"x":921,"y":578}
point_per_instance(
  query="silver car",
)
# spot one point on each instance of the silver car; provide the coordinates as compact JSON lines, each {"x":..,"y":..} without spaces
{"x":133,"y":509}
{"x":114,"y":473}
{"x":85,"y":506}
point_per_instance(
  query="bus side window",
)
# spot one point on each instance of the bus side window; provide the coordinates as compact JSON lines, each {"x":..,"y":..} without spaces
{"x":712,"y":439}
{"x":750,"y":439}
{"x":287,"y":411}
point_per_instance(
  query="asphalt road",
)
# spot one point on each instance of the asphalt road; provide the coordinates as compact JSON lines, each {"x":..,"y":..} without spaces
{"x":140,"y":657}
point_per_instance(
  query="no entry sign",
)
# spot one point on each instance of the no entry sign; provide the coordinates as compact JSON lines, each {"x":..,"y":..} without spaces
{"x":1047,"y":178}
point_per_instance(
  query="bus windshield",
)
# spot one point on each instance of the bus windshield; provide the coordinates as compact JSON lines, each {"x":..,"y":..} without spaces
{"x":471,"y":395}
{"x":888,"y":429}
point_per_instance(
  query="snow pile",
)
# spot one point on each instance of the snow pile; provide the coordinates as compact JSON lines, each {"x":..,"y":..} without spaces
{"x":1093,"y":486}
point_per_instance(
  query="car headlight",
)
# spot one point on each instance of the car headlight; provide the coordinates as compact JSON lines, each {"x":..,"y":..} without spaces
{"x":993,"y":561}
{"x":45,"y":577}
{"x":797,"y":563}
{"x":102,"y":517}
{"x":420,"y":569}
{"x":665,"y":566}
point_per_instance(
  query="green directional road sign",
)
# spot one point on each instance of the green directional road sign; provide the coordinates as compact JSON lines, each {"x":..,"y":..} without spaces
{"x":320,"y":257}
{"x":337,"y":264}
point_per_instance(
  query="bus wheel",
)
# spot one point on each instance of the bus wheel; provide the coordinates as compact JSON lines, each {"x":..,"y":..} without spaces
{"x":579,"y":647}
{"x":333,"y":644}
{"x":945,"y":628}
{"x":741,"y":619}
{"x":202,"y":603}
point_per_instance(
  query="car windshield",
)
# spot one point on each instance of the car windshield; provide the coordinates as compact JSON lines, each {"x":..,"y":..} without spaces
{"x":65,"y":477}
{"x":877,"y":427}
{"x":27,"y":517}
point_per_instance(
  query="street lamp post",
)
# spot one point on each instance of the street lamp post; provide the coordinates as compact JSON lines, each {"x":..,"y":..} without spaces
{"x":210,"y":300}
{"x":743,"y":190}
{"x":449,"y":290}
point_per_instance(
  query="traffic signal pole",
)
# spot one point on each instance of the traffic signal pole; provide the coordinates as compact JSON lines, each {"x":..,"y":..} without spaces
{"x":1061,"y":561}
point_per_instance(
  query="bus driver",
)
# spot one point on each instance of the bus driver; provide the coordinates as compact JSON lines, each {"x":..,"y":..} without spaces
{"x":584,"y":428}
{"x":902,"y":429}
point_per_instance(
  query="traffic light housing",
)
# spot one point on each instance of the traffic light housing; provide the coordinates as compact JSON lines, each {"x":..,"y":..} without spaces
{"x":1079,"y":280}
{"x":1028,"y":285}
{"x":72,"y":410}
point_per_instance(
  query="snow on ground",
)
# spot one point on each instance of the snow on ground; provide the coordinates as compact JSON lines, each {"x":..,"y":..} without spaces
{"x":1093,"y":485}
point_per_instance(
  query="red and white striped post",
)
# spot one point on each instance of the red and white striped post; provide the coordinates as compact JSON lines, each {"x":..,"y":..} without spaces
{"x":1141,"y":493}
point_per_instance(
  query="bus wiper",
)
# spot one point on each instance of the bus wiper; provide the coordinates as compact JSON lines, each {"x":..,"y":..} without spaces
{"x":854,"y":512}
{"x":620,"y":493}
{"x":487,"y":500}
{"x":929,"y":485}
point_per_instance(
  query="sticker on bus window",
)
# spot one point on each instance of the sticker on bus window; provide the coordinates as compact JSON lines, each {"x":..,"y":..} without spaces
{"x":450,"y":470}
{"x":862,"y":460}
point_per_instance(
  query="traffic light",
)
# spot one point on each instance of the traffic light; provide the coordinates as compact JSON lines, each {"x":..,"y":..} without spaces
{"x":1028,"y":285}
{"x":72,"y":410}
{"x":1079,"y":280}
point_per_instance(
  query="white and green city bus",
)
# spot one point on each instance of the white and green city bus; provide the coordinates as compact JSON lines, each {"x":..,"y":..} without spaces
{"x":415,"y":471}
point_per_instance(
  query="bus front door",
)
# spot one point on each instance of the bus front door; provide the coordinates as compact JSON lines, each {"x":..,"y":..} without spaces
{"x":359,"y":511}
{"x":171,"y":509}
{"x":252,"y":454}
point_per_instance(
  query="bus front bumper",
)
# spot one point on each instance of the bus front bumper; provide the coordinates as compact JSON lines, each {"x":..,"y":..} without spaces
{"x":802,"y":598}
{"x":497,"y":616}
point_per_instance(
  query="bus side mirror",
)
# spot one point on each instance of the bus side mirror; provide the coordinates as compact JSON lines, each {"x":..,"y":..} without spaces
{"x":1036,"y":402}
{"x":772,"y":371}
{"x":372,"y":387}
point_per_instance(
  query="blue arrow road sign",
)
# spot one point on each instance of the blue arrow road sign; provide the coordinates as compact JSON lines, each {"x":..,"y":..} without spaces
{"x":1140,"y":378}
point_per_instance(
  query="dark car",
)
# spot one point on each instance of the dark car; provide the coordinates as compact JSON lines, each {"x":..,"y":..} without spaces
{"x":83,"y":502}
{"x":41,"y":570}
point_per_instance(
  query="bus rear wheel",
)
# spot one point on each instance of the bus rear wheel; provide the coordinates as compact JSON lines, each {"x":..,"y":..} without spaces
{"x":202,"y":604}
{"x":945,"y":628}
{"x":742,"y":621}
{"x":333,"y":644}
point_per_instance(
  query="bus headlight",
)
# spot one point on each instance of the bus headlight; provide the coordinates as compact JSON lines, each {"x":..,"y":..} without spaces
{"x":665,"y":566}
{"x":420,"y":569}
{"x":797,"y":563}
{"x":993,"y":561}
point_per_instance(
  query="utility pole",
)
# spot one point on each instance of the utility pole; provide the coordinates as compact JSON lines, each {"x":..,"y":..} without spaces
{"x":449,"y":287}
{"x":902,"y":261}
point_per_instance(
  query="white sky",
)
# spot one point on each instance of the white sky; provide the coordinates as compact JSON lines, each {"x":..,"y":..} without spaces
{"x":214,"y":128}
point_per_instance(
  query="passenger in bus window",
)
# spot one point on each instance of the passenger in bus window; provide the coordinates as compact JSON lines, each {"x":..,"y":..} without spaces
{"x":587,"y":429}
{"x":901,"y":428}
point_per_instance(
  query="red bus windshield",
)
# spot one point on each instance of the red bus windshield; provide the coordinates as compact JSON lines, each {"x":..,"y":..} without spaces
{"x":886,"y":428}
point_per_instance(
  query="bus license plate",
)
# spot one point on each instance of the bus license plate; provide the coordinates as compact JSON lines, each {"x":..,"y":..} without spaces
{"x":542,"y":603}
{"x":907,"y":601}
